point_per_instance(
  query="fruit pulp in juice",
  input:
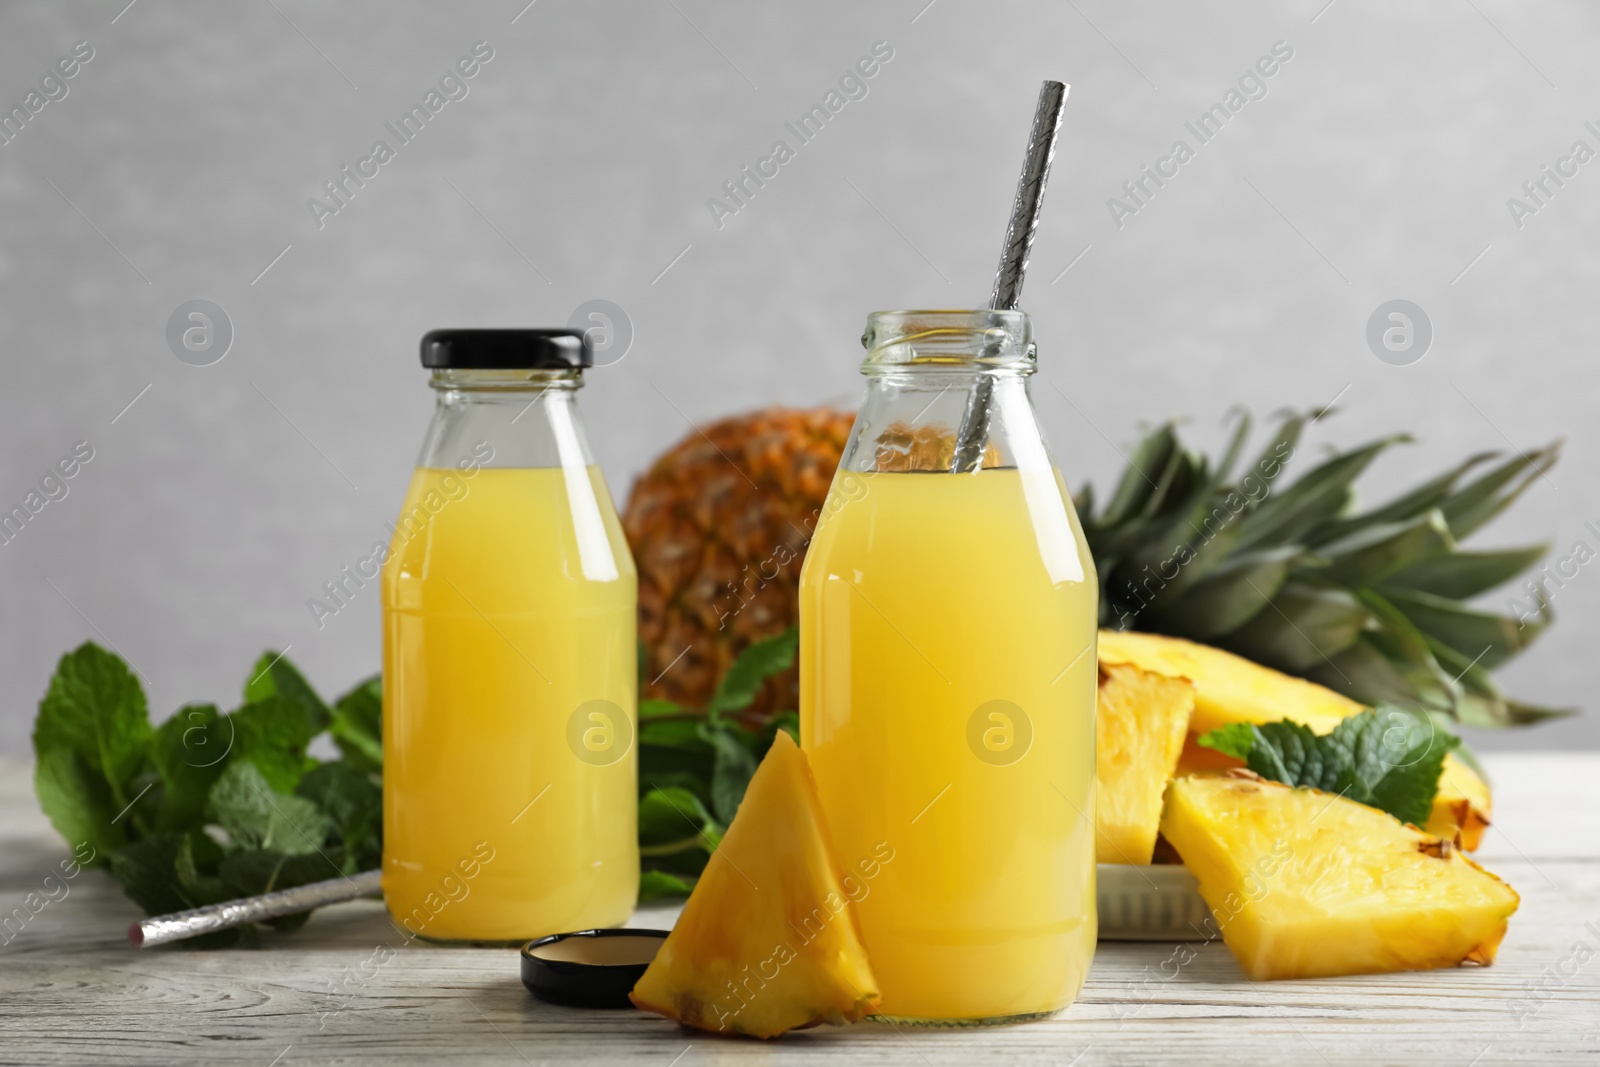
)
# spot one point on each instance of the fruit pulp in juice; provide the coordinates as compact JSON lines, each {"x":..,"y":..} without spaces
{"x":509,"y":625}
{"x":947,"y":702}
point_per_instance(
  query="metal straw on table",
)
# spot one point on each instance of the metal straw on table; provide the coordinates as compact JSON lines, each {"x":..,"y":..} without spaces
{"x":161,"y":929}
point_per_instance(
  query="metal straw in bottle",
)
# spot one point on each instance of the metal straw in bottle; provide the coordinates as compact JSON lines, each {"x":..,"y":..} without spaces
{"x":974,"y":433}
{"x":160,"y":929}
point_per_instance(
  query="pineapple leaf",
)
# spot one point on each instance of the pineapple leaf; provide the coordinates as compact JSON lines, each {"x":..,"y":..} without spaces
{"x":1241,"y":433}
{"x":1135,"y":487}
{"x":1318,"y":495}
{"x":1365,"y":673}
{"x":1475,"y":504}
{"x":1480,"y":636}
{"x":1466,"y":574}
{"x":1272,"y":459}
{"x":1178,"y":475}
{"x":1231,"y":595}
{"x":1524,"y":714}
{"x":1367,"y":557}
{"x":1407,"y":647}
{"x":1429,"y":494}
{"x":1181,"y":543}
{"x":1310,"y":626}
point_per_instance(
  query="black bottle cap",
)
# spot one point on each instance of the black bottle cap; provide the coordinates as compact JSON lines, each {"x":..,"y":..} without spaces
{"x":507,"y":349}
{"x":589,"y":968}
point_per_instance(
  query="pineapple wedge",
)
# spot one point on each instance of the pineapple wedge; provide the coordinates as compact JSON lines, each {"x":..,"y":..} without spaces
{"x":1304,"y":884}
{"x":1229,"y":688}
{"x":768,"y":940}
{"x":1461,"y":807}
{"x":1141,"y":719}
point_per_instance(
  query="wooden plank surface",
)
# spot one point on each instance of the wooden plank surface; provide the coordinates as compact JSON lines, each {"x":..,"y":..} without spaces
{"x":71,"y":991}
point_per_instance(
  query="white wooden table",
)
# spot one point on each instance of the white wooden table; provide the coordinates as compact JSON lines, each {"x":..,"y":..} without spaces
{"x":72,"y":991}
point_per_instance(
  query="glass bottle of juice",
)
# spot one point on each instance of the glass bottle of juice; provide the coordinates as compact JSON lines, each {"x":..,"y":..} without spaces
{"x":509,"y":678}
{"x":947,"y":681}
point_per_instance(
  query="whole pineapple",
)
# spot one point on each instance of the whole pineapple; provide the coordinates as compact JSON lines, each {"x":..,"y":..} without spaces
{"x":719,"y":526}
{"x":1371,"y":604}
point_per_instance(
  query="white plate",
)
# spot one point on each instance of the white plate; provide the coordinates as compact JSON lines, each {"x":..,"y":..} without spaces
{"x":1156,"y":903}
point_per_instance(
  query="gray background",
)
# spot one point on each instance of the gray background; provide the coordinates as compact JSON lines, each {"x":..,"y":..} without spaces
{"x":1377,"y":167}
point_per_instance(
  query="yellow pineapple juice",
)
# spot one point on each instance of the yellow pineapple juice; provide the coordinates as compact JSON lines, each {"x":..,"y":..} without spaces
{"x":510,"y":797}
{"x":947,"y":704}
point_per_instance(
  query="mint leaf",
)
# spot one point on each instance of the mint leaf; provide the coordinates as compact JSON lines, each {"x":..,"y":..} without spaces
{"x":1233,"y":739}
{"x":196,"y":867}
{"x":95,"y":708}
{"x":189,"y":753}
{"x":654,"y":884}
{"x":1407,"y":789}
{"x":759,"y":661}
{"x":273,"y":734}
{"x":258,"y":817}
{"x":784,"y":720}
{"x":731,"y":769}
{"x":147,"y":872}
{"x":356,"y":724}
{"x":674,"y":817}
{"x":1387,"y":758}
{"x":1378,"y":740}
{"x":1289,"y":752}
{"x":255,"y":871}
{"x":675,"y":733}
{"x":656,"y":709}
{"x":77,"y":801}
{"x":274,"y":676}
{"x":353,"y":802}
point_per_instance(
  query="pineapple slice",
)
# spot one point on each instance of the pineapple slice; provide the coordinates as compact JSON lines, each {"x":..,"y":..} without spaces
{"x":1141,"y":719}
{"x":768,"y":940}
{"x":1461,"y":807}
{"x":1229,"y":688}
{"x":1304,"y":884}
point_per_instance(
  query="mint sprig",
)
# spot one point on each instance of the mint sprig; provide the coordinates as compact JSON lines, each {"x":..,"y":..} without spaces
{"x":211,"y":805}
{"x":208,"y":806}
{"x":695,"y":765}
{"x":1387,"y":757}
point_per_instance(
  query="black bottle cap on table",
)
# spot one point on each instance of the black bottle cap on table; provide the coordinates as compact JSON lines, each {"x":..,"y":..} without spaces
{"x":558,"y":968}
{"x":507,"y":349}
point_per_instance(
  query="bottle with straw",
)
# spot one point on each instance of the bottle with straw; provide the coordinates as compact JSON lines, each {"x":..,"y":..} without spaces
{"x":947,"y":666}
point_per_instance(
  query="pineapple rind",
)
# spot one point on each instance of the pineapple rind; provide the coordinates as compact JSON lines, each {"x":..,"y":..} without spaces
{"x":1305,"y":884}
{"x":1462,"y":806}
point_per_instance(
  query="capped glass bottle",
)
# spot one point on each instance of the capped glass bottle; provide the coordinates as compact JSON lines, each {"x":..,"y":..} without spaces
{"x":948,"y":675}
{"x":510,"y":789}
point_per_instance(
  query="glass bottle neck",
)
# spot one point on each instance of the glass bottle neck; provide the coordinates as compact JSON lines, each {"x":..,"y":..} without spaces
{"x":912,"y":415}
{"x":505,"y":418}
